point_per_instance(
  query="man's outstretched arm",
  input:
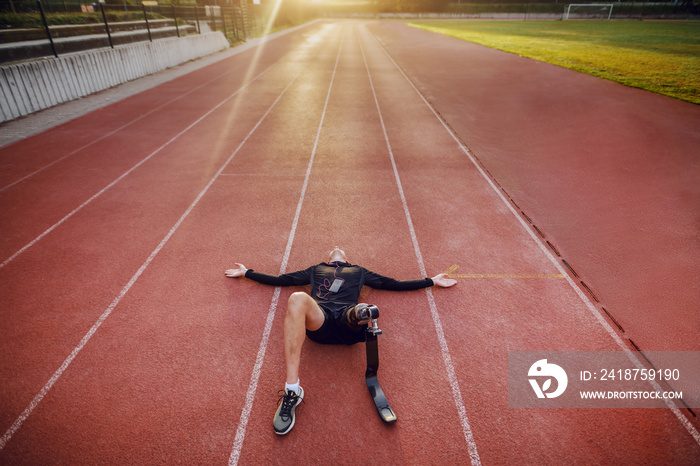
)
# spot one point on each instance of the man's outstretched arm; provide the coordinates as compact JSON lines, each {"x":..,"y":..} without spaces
{"x":382,"y":282}
{"x":300,"y":278}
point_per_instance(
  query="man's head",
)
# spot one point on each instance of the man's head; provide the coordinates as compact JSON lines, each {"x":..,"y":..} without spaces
{"x":337,"y":254}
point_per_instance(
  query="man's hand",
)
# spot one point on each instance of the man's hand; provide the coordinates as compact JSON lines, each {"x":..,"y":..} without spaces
{"x":441,"y":280}
{"x":239,"y":271}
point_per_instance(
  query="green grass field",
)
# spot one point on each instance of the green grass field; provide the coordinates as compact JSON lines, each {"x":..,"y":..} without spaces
{"x":659,"y":56}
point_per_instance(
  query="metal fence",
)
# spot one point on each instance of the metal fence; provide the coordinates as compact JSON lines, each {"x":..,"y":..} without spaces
{"x":29,"y":29}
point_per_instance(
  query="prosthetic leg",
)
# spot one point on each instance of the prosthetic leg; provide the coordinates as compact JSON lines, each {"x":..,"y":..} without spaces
{"x":385,"y":412}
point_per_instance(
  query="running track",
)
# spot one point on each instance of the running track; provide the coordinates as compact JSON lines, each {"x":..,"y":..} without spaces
{"x":123,"y":342}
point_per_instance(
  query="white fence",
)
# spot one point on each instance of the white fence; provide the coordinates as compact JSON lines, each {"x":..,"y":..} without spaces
{"x":29,"y":87}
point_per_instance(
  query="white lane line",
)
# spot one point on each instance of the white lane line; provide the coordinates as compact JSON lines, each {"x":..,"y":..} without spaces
{"x":116,"y":130}
{"x":37,"y":399}
{"x":257,"y":368}
{"x":446,"y":357}
{"x":630,"y":354}
{"x":126,"y":173}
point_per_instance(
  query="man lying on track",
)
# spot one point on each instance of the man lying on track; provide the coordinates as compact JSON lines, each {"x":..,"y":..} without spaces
{"x":331,"y":315}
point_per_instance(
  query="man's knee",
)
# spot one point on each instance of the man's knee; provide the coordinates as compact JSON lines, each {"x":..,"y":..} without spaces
{"x":302,"y":306}
{"x":298,"y":302}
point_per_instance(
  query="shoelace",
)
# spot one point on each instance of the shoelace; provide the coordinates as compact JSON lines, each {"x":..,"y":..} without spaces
{"x":289,"y":400}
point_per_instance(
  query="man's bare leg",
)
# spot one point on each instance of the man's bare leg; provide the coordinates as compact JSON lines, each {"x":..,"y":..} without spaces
{"x":302,"y":314}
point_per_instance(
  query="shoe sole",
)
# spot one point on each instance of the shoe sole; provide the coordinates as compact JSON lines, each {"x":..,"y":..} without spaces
{"x":301,"y":397}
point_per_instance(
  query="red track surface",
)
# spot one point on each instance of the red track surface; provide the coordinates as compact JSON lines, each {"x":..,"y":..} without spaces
{"x":165,"y":375}
{"x":611,"y":174}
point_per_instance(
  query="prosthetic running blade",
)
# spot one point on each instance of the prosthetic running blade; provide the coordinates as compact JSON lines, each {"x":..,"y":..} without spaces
{"x":385,"y":412}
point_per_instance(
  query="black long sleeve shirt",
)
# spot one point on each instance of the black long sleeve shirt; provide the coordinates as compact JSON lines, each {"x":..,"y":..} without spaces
{"x":348,"y":279}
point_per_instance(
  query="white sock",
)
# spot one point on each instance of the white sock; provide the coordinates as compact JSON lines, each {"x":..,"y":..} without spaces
{"x":293,"y":387}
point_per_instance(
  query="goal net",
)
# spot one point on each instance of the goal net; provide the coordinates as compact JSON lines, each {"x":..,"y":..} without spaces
{"x":589,"y":11}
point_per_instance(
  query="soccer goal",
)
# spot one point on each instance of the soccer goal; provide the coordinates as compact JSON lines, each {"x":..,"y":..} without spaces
{"x":589,"y":10}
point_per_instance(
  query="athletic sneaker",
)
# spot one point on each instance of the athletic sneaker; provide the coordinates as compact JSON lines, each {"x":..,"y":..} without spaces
{"x":284,"y":417}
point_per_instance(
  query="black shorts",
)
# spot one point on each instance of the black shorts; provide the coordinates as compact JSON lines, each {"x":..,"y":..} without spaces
{"x":334,"y":330}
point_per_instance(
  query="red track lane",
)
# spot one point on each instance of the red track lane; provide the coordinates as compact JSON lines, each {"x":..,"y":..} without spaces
{"x":24,"y":157}
{"x":165,"y":378}
{"x":352,"y":201}
{"x":31,"y":206}
{"x":57,"y":289}
{"x":154,"y":434}
{"x":100,"y":249}
{"x":472,"y":228}
{"x":609,"y":173}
